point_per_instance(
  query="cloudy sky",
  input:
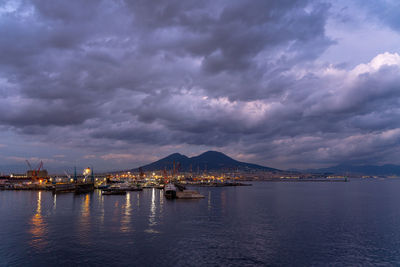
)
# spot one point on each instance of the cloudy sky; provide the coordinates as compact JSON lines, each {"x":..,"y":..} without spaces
{"x":282,"y":83}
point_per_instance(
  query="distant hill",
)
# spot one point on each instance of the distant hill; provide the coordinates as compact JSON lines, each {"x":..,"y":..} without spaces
{"x":210,"y":160}
{"x":372,"y":170}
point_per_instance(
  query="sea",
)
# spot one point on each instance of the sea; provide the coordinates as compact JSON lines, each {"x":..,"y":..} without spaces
{"x":266,"y":224}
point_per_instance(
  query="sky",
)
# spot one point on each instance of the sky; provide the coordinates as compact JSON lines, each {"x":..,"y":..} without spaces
{"x":117,"y":84}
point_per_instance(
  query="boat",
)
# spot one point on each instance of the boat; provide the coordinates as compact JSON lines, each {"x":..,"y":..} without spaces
{"x":63,"y":187}
{"x":135,"y":188}
{"x":189,"y":194}
{"x":131,"y":187}
{"x":113,"y":192}
{"x":113,"y":188}
{"x":103,"y":186}
{"x":149,"y":185}
{"x":126,"y":186}
{"x":181,"y":187}
{"x":170,"y":191}
{"x":3,"y":185}
{"x":81,"y":188}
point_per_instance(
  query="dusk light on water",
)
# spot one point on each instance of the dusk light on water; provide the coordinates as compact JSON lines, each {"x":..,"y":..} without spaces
{"x":199,"y":133}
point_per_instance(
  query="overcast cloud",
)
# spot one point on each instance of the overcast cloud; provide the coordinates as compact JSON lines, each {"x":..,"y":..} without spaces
{"x":114,"y":84}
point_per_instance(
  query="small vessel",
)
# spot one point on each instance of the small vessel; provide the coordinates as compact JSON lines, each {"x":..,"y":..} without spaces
{"x":181,"y":187}
{"x":81,"y":188}
{"x":149,"y":185}
{"x":103,"y":186}
{"x":134,"y":188}
{"x":113,"y":192}
{"x":170,"y":191}
{"x":189,"y":194}
{"x":129,"y":187}
{"x":63,"y":187}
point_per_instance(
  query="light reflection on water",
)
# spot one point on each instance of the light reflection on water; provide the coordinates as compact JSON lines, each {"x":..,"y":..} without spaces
{"x":100,"y":200}
{"x":38,"y":226}
{"x":152,"y":214}
{"x":84,"y":221}
{"x":126,"y":218}
{"x":138,"y":201}
{"x":54,"y":202}
{"x":116,"y":210}
{"x":343,"y":224}
{"x":161,"y":205}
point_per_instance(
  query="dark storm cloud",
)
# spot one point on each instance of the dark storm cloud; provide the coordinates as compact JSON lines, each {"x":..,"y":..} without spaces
{"x":236,"y":75}
{"x":228,"y":36}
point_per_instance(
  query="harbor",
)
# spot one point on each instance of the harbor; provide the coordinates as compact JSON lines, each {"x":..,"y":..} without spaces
{"x":128,"y":181}
{"x":209,"y":169}
{"x":172,"y":182}
{"x":173,"y":186}
{"x":129,"y":228}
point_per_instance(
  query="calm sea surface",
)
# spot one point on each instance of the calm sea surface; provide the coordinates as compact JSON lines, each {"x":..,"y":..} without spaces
{"x":354,"y":223}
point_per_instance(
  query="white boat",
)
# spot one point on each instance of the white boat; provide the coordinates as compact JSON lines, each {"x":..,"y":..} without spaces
{"x":189,"y":194}
{"x":130,"y":187}
{"x":126,"y":186}
{"x":170,"y":191}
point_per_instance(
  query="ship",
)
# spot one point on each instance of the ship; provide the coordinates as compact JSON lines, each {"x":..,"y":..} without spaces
{"x":170,"y":191}
{"x":130,"y":187}
{"x":189,"y":194}
{"x":113,"y":192}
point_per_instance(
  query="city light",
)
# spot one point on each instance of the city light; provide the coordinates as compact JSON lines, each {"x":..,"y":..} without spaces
{"x":86,"y":171}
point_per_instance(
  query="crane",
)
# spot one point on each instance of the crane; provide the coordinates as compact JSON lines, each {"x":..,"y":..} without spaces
{"x":35,"y":172}
{"x":34,"y":175}
{"x":141,"y":173}
{"x":165,"y":175}
{"x":40,"y":166}
{"x":69,"y":176}
{"x":29,"y":165}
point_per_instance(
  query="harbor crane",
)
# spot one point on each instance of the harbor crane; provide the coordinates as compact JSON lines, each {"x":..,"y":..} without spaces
{"x":29,"y":165}
{"x":35,"y":172}
{"x":141,"y":173}
{"x":68,"y":176}
{"x":165,"y":175}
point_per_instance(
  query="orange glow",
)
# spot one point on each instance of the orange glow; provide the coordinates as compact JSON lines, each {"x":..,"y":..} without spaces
{"x":38,"y":229}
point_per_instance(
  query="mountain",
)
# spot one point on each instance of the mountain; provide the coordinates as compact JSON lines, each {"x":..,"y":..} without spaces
{"x":166,"y":162}
{"x":372,"y":170}
{"x":210,"y":160}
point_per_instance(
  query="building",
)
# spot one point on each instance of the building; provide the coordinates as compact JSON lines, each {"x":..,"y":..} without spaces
{"x":18,"y":175}
{"x":40,"y":174}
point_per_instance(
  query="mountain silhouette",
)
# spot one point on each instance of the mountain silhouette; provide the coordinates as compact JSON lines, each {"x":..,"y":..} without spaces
{"x":210,"y":160}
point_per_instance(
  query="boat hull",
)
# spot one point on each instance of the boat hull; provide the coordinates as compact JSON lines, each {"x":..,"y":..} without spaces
{"x":170,"y":194}
{"x":170,"y":191}
{"x":189,"y":194}
{"x":113,"y":192}
{"x":84,"y":188}
{"x":62,"y":188}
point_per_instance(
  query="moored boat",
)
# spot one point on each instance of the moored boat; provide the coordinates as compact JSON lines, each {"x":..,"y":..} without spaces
{"x":63,"y":187}
{"x":170,"y":191}
{"x":103,"y":186}
{"x":189,"y":194}
{"x":81,"y":188}
{"x":113,"y":192}
{"x":130,"y":187}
